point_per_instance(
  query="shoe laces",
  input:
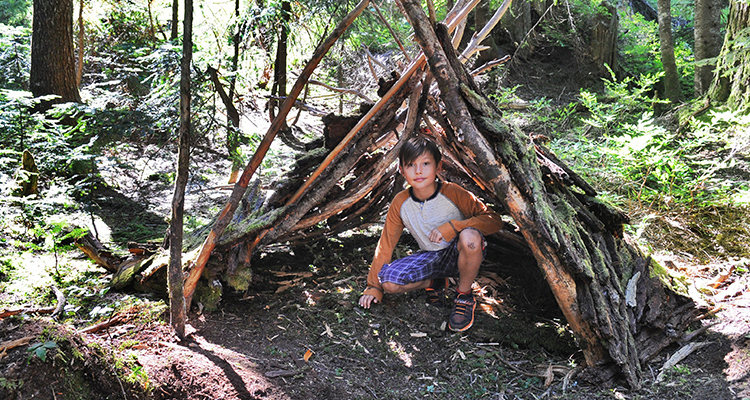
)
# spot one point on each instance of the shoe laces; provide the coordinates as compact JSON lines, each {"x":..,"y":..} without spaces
{"x":463,"y":305}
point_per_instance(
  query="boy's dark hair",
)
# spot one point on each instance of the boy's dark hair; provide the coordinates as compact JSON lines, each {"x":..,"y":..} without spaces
{"x":417,"y":146}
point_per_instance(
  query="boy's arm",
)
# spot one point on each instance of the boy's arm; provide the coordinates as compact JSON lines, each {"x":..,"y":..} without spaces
{"x":479,"y":216}
{"x":392,"y":230}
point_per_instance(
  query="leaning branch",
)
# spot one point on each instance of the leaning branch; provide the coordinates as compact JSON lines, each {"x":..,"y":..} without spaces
{"x":342,"y":90}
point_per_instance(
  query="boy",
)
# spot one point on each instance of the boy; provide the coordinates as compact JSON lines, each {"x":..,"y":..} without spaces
{"x":447,"y":221}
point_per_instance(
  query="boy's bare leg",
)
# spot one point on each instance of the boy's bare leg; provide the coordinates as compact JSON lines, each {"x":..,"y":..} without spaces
{"x":469,"y":258}
{"x":390,"y":287}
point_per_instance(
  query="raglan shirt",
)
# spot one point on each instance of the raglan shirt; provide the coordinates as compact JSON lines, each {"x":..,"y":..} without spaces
{"x":451,"y":209}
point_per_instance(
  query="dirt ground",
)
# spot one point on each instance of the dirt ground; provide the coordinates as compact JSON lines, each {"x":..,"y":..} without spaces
{"x":310,"y":340}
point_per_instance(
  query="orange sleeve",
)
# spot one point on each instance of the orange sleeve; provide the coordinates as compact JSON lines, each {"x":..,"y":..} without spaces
{"x":478,"y":215}
{"x":392,"y":230}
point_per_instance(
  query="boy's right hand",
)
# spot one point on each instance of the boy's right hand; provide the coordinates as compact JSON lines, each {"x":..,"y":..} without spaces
{"x":366,"y":300}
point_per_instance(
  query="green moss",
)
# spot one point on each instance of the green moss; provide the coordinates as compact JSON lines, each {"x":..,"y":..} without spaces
{"x":209,"y":295}
{"x":677,"y":283}
{"x":240,"y":280}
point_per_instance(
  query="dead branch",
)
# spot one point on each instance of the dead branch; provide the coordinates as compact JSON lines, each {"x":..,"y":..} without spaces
{"x":372,"y":58}
{"x":473,"y":46}
{"x":60,"y":302}
{"x":678,"y":356}
{"x":342,"y":90}
{"x":234,"y":115}
{"x":5,"y":313}
{"x":225,"y":216}
{"x":5,"y":346}
{"x":302,"y":105}
{"x":390,"y":29}
{"x":90,"y":246}
{"x":369,"y":59}
{"x":491,"y":64}
{"x":116,"y":319}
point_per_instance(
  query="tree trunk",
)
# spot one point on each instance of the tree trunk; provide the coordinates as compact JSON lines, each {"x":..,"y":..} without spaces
{"x":730,"y":84}
{"x":672,"y":89}
{"x":175,"y":19}
{"x":707,"y":42}
{"x":52,"y":57}
{"x":577,"y":240}
{"x":81,"y":34}
{"x":177,"y":304}
{"x":604,"y":40}
{"x":233,"y":127}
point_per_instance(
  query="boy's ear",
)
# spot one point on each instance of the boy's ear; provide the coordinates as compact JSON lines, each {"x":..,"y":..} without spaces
{"x":400,"y":171}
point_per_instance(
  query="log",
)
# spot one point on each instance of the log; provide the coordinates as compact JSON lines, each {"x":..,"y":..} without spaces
{"x":90,"y":246}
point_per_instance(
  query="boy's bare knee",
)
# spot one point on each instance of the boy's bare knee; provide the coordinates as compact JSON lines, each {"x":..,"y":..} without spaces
{"x":470,"y":239}
{"x":390,"y":287}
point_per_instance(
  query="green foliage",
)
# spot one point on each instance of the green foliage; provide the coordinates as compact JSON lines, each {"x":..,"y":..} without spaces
{"x":40,"y":350}
{"x":127,"y":24}
{"x":621,"y":103}
{"x":15,"y":57}
{"x":15,"y":12}
{"x":635,"y":157}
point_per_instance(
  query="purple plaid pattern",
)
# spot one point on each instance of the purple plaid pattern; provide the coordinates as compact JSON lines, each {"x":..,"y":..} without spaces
{"x":423,"y":265}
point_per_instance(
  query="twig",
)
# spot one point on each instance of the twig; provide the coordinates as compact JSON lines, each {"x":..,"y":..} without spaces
{"x":390,"y":29}
{"x":692,"y":335}
{"x":5,"y":313}
{"x":680,"y":355}
{"x":473,"y":45}
{"x":5,"y":346}
{"x":491,"y":64}
{"x":104,"y":325}
{"x":342,"y":90}
{"x":301,"y":105}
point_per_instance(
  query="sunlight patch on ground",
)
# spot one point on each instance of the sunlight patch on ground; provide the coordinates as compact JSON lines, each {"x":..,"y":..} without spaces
{"x":400,"y":351}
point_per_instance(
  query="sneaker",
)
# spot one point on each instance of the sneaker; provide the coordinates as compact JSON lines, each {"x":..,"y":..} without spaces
{"x":436,"y":292}
{"x":462,"y":315}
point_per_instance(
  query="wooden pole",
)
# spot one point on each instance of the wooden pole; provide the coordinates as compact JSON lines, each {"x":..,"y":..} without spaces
{"x":239,"y":188}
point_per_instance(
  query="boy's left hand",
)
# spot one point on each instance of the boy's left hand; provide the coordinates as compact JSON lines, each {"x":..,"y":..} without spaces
{"x":435,"y":236}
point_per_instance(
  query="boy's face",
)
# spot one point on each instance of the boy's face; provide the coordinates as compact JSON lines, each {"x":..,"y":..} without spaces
{"x":421,"y":173}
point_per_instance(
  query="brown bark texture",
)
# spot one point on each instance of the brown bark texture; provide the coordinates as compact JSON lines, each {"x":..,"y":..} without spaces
{"x":708,"y":38}
{"x":52,"y":57}
{"x":730,"y":84}
{"x":672,"y":89}
{"x":177,"y":303}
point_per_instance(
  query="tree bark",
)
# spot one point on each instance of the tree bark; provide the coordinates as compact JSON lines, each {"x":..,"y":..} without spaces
{"x":175,"y":19}
{"x":707,"y":42}
{"x":730,"y":82}
{"x":81,"y":35}
{"x":52,"y":56}
{"x":233,"y":126}
{"x":672,"y":89}
{"x":177,"y":303}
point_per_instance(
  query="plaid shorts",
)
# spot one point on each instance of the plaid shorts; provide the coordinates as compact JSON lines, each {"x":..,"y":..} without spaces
{"x":425,"y":265}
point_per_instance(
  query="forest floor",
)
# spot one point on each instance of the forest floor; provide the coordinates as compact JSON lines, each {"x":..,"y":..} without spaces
{"x":309,"y":339}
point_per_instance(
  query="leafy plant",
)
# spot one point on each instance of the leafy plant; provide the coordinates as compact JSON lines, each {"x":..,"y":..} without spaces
{"x":40,"y":350}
